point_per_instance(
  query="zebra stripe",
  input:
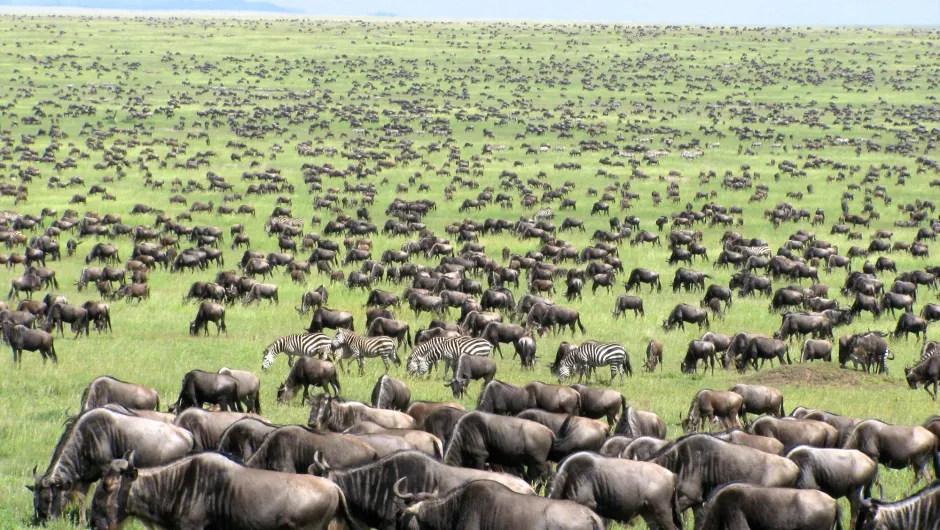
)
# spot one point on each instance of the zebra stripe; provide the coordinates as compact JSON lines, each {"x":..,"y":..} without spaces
{"x":929,"y":350}
{"x":304,"y":345}
{"x":356,"y":347}
{"x":753,"y":251}
{"x":279,"y":222}
{"x":544,"y":213}
{"x":448,"y":349}
{"x":590,"y":355}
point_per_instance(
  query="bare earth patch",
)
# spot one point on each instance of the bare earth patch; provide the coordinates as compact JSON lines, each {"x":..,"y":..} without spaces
{"x":817,"y":374}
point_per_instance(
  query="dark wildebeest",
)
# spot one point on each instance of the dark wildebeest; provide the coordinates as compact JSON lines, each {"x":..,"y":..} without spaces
{"x":312,"y":299}
{"x":892,"y":301}
{"x":748,"y":348}
{"x":698,"y":350}
{"x":497,"y":333}
{"x":703,"y":463}
{"x":380,"y":298}
{"x":471,"y":368}
{"x":207,"y":427}
{"x":654,"y":355}
{"x":683,"y":313}
{"x":249,"y":388}
{"x":200,"y":387}
{"x":597,"y":403}
{"x":389,"y":393}
{"x":337,"y":414}
{"x":208,"y":312}
{"x":242,"y":438}
{"x":572,"y":433}
{"x":420,"y":410}
{"x":241,"y":497}
{"x":553,"y":398}
{"x":396,"y":329}
{"x":717,"y":408}
{"x":442,"y":420}
{"x":86,"y":448}
{"x":835,"y":472}
{"x":526,"y":349}
{"x":261,"y":291}
{"x":627,"y":302}
{"x":793,"y":432}
{"x":869,"y":349}
{"x":894,"y":446}
{"x":324,"y":318}
{"x":59,"y":313}
{"x":635,"y":423}
{"x":926,"y":371}
{"x":512,"y":443}
{"x":759,"y":400}
{"x":308,"y":371}
{"x":484,"y":504}
{"x":638,"y":276}
{"x":498,"y":397}
{"x":745,"y":506}
{"x":103,"y":390}
{"x":802,"y":324}
{"x":907,"y":324}
{"x":21,"y":338}
{"x":28,"y":283}
{"x":619,"y":489}
{"x":717,"y":292}
{"x":387,"y":441}
{"x":878,"y":515}
{"x":294,"y":448}
{"x":368,"y":488}
{"x":814,"y":349}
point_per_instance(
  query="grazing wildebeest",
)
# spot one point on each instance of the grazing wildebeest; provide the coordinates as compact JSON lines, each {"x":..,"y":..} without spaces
{"x":497,"y":333}
{"x":683,"y":313}
{"x":619,"y":489}
{"x":635,"y":423}
{"x":396,"y":329}
{"x":312,"y":299}
{"x":907,"y":324}
{"x":802,"y":324}
{"x":470,"y":368}
{"x":759,"y":400}
{"x":891,"y":301}
{"x":21,"y":338}
{"x":208,"y":312}
{"x":793,"y":432}
{"x":389,"y":393}
{"x":234,"y":497}
{"x":498,"y":397}
{"x":249,"y":388}
{"x":337,"y":414}
{"x":638,"y":276}
{"x":242,"y":438}
{"x":483,"y":504}
{"x":835,"y":472}
{"x":654,"y":355}
{"x":480,"y":437}
{"x":716,"y":407}
{"x":703,"y":463}
{"x":597,"y":403}
{"x":324,"y":318}
{"x":626,"y":302}
{"x":746,"y":506}
{"x":698,"y":350}
{"x":207,"y":427}
{"x":308,"y":371}
{"x":814,"y":349}
{"x":261,"y":291}
{"x":200,"y":387}
{"x":748,"y":348}
{"x":894,"y":446}
{"x":926,"y":371}
{"x":86,"y":448}
{"x":104,"y":390}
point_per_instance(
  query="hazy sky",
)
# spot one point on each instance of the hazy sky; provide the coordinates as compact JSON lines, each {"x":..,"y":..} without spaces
{"x":759,"y":12}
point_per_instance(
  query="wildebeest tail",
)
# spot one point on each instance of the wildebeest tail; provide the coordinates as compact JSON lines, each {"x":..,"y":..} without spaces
{"x":782,"y":411}
{"x":623,"y":406}
{"x":936,"y":463}
{"x":580,"y":325}
{"x":342,"y":520}
{"x":438,"y":449}
{"x":257,"y":402}
{"x":676,"y":514}
{"x":838,"y":521}
{"x":563,"y":436}
{"x":335,"y":381}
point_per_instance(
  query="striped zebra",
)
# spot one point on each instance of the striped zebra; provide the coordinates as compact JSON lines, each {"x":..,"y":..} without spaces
{"x":588,"y":356}
{"x":356,"y":347}
{"x":448,"y":349}
{"x":544,"y":213}
{"x":304,"y":345}
{"x":276,"y":224}
{"x":929,"y":349}
{"x":762,"y":250}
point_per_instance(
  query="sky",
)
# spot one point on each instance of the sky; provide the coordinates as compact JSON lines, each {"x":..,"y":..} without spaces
{"x":750,"y":12}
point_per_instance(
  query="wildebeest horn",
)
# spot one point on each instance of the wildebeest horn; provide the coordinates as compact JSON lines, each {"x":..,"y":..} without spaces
{"x":398,"y":492}
{"x":318,"y":458}
{"x":129,"y":457}
{"x":36,"y":476}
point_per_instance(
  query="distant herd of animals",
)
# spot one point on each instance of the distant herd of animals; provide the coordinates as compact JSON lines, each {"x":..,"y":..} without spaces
{"x":403,"y":463}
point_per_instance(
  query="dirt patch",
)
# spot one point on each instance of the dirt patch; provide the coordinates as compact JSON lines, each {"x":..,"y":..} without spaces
{"x":817,"y":374}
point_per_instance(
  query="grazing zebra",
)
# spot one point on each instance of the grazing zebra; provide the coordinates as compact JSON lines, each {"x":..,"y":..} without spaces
{"x":304,"y":345}
{"x":590,"y":355}
{"x":276,"y":224}
{"x":449,"y":349}
{"x":762,"y":250}
{"x":356,"y":347}
{"x":544,"y":213}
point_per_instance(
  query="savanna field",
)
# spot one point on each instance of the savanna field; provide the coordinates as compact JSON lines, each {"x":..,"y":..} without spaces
{"x":385,"y":102}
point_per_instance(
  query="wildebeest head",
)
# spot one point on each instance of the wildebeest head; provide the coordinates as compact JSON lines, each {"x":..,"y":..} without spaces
{"x":48,"y":497}
{"x":406,"y":518}
{"x":108,"y":507}
{"x":458,"y":385}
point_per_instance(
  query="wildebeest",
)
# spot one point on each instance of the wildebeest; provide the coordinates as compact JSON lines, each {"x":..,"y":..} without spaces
{"x":308,"y":371}
{"x":638,"y":276}
{"x":483,"y":504}
{"x":86,"y":448}
{"x":835,"y":472}
{"x":909,"y":323}
{"x":207,"y":427}
{"x":249,"y":388}
{"x":572,"y":433}
{"x":746,"y":506}
{"x":396,"y":329}
{"x":553,"y":398}
{"x":922,"y":506}
{"x":21,"y":338}
{"x":208,"y":312}
{"x":698,"y":350}
{"x":619,"y":489}
{"x":626,"y":302}
{"x":894,"y":446}
{"x":498,"y":397}
{"x":814,"y":349}
{"x":243,"y":437}
{"x":391,"y":394}
{"x":635,"y":423}
{"x":654,"y":355}
{"x":497,"y":333}
{"x":470,"y":368}
{"x":598,"y":403}
{"x":793,"y":432}
{"x":294,"y":448}
{"x":200,"y":387}
{"x":926,"y":371}
{"x":481,"y":438}
{"x":716,"y":407}
{"x":747,"y":348}
{"x":324,"y":318}
{"x":759,"y":400}
{"x":337,"y":414}
{"x":683,"y":313}
{"x":103,"y":390}
{"x":158,"y":497}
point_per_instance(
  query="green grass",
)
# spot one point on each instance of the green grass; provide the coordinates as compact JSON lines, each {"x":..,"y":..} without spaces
{"x":299,"y":72}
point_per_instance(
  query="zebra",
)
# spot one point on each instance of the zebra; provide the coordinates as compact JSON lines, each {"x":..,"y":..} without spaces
{"x":356,"y":347}
{"x":276,"y":224}
{"x":762,"y":250}
{"x":929,"y":349}
{"x":544,"y":213}
{"x":304,"y":345}
{"x":590,"y":355}
{"x":449,"y":349}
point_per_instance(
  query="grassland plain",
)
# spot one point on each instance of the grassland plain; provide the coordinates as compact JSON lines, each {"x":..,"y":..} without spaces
{"x":156,"y":78}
